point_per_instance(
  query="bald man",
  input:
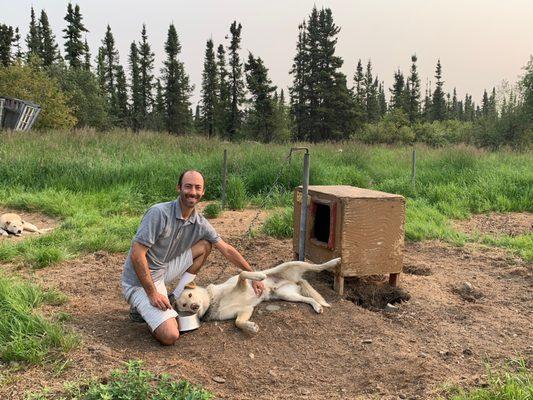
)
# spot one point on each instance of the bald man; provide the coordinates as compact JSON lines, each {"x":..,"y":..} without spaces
{"x":173,"y":241}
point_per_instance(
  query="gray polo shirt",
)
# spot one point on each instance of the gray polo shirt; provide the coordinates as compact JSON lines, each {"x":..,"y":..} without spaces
{"x":167,"y":235}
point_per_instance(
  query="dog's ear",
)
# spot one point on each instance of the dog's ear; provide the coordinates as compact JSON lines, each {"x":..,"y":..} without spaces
{"x":190,"y":285}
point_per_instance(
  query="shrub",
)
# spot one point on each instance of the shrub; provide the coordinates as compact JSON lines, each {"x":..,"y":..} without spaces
{"x":28,"y":82}
{"x":235,"y":193}
{"x":212,"y":210}
{"x":280,"y":224}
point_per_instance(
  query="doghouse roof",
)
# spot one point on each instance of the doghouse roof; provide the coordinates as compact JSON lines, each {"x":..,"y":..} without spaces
{"x":344,"y":191}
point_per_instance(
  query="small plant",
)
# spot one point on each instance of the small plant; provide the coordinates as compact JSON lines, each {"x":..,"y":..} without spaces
{"x":132,"y":382}
{"x":280,"y":224}
{"x":212,"y":210}
{"x":515,"y":382}
{"x":236,"y":193}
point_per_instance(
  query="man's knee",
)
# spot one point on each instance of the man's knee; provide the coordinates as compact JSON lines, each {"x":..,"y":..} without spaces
{"x":202,"y":248}
{"x":167,"y":333}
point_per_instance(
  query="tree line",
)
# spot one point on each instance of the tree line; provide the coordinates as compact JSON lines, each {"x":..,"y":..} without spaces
{"x":238,"y":99}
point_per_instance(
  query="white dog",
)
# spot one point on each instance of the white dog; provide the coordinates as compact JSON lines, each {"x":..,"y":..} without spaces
{"x":13,"y":223}
{"x":235,"y":298}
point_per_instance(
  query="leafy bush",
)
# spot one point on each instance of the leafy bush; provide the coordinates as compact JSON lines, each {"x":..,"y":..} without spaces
{"x":28,"y":82}
{"x":130,"y":383}
{"x":84,"y":96}
{"x":441,"y":133}
{"x":280,"y":224}
{"x":235,"y":193}
{"x":212,"y":210}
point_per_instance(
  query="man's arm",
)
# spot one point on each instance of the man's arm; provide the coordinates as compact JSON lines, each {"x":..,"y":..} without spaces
{"x":140,"y":265}
{"x":232,"y":255}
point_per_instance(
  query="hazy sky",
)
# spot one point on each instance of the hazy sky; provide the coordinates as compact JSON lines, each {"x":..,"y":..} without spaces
{"x":480,"y":42}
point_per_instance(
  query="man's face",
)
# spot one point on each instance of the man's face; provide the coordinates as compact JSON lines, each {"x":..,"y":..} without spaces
{"x":192,"y":188}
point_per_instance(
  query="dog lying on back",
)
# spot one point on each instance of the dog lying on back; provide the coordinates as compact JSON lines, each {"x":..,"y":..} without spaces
{"x":13,"y":223}
{"x":235,"y":298}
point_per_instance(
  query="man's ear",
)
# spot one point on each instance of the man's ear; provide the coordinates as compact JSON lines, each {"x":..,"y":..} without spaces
{"x":190,"y":285}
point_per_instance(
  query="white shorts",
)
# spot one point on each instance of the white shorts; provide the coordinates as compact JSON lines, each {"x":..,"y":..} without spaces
{"x":137,"y":297}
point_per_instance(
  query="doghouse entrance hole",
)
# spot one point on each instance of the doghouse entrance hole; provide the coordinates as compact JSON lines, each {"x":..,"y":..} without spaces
{"x":322,"y":224}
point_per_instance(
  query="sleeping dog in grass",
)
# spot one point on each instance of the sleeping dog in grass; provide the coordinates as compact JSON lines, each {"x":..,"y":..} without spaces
{"x":235,"y":298}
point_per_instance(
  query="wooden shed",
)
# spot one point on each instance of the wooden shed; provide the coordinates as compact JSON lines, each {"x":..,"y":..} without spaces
{"x":363,"y":227}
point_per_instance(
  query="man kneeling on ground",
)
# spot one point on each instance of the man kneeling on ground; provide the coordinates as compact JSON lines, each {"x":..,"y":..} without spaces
{"x":173,"y":241}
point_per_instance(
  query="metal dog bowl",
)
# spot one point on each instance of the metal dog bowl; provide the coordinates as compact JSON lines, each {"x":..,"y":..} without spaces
{"x":188,"y":321}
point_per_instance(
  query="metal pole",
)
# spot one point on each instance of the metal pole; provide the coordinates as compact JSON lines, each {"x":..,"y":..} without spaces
{"x":413,"y":175}
{"x":224,"y":175}
{"x":303,"y":215}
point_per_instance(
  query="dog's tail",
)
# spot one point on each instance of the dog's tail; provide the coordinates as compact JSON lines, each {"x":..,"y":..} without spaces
{"x":293,"y":270}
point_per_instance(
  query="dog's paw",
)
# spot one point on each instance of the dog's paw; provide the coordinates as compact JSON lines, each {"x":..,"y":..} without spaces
{"x":261,"y":276}
{"x":326,"y":305}
{"x":251,"y":328}
{"x":318,"y":308}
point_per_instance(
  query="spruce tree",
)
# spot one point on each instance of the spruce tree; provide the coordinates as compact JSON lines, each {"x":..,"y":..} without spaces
{"x":100,"y":69}
{"x":359,"y":85}
{"x":87,"y":62}
{"x":122,"y":97}
{"x":413,"y":108}
{"x":426,"y":108}
{"x":16,"y":44}
{"x":74,"y":47}
{"x":110,"y":64}
{"x":298,"y":90}
{"x":372,"y":112}
{"x":210,"y":91}
{"x":177,"y":87}
{"x":48,"y":49}
{"x":382,"y":101}
{"x":438,"y":104}
{"x":136,"y":115}
{"x":236,"y":83}
{"x":222,"y":114}
{"x":6,"y":40}
{"x":33,"y":39}
{"x":262,"y":113}
{"x":397,"y":92}
{"x":146,"y":66}
{"x":492,"y":104}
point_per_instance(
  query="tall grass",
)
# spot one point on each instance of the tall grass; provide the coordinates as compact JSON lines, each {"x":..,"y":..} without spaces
{"x":25,"y":335}
{"x":99,"y":184}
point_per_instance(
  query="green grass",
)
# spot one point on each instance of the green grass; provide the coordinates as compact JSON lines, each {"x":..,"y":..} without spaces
{"x":99,"y":184}
{"x":515,"y":382}
{"x":26,"y":336}
{"x":131,"y":382}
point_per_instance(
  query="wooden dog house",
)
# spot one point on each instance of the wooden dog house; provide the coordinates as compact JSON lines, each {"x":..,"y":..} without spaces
{"x":363,"y":227}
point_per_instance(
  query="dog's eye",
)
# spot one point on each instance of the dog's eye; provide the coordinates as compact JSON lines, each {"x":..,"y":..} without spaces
{"x":190,"y":294}
{"x":184,"y":304}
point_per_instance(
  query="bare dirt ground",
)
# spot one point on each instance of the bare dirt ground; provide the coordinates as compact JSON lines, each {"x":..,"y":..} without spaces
{"x":468,"y":306}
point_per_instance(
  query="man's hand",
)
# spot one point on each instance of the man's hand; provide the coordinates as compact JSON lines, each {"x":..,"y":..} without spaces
{"x":160,"y":301}
{"x":258,"y":287}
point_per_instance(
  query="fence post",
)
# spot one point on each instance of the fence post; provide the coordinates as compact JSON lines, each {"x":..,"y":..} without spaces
{"x":303,"y":216}
{"x":413,"y":173}
{"x":224,"y":175}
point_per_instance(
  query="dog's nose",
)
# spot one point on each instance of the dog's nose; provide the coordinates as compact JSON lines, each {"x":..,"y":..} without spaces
{"x":19,"y":231}
{"x":195,"y":306}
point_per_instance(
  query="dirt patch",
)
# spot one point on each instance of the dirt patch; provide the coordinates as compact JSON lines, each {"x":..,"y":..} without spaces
{"x":374,"y":293}
{"x":41,"y":221}
{"x":346,"y":352}
{"x":497,"y":224}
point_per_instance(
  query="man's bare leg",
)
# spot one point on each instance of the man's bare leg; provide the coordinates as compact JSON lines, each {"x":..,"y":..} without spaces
{"x":200,"y":252}
{"x":167,"y":333}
